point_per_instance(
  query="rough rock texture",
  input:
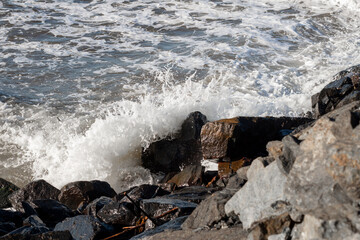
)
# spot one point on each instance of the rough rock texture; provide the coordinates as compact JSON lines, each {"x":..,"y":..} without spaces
{"x":72,"y":194}
{"x":261,"y":197}
{"x":144,"y":191}
{"x":190,"y":175}
{"x":84,"y":227}
{"x":117,"y":213}
{"x":325,"y":177}
{"x":343,"y":90}
{"x":10,"y":216}
{"x":157,"y":206}
{"x":209,"y":211}
{"x":191,"y":194}
{"x":274,"y":148}
{"x":6,"y":188}
{"x":95,"y":206}
{"x":36,"y":190}
{"x":244,"y":136}
{"x":170,"y":155}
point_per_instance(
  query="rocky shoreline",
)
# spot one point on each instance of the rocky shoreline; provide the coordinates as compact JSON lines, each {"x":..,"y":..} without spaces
{"x":277,"y":178}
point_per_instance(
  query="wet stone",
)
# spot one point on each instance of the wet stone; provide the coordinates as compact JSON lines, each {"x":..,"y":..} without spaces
{"x":118,"y":213}
{"x":6,"y":188}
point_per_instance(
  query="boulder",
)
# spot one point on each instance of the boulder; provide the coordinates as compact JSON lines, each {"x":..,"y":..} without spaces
{"x":6,"y":188}
{"x":324,"y":178}
{"x":232,"y":139}
{"x":6,"y":228}
{"x":157,"y":206}
{"x":144,"y":191}
{"x":190,"y":175}
{"x":261,"y":197}
{"x":343,"y":90}
{"x":51,"y":211}
{"x":169,"y":155}
{"x":118,"y":213}
{"x":84,"y":227}
{"x":36,"y":190}
{"x":75,"y":193}
{"x":26,"y":231}
{"x":11,"y":217}
{"x":209,"y":211}
{"x":95,"y":206}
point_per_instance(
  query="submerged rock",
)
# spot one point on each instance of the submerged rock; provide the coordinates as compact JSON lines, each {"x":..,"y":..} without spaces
{"x":75,"y":193}
{"x":6,"y":188}
{"x":185,"y":149}
{"x":232,"y":139}
{"x":36,"y":190}
{"x":343,"y":90}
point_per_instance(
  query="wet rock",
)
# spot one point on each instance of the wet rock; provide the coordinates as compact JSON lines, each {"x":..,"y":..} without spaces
{"x":36,"y":190}
{"x":314,"y":228}
{"x":75,"y":193}
{"x":51,"y":211}
{"x":26,"y":231}
{"x":172,"y":225}
{"x":6,"y":188}
{"x":84,"y":227}
{"x":244,"y":136}
{"x":6,"y":228}
{"x":343,"y":90}
{"x":144,"y":191}
{"x":271,"y":226}
{"x":53,"y":235}
{"x":325,"y":175}
{"x":185,"y":149}
{"x":209,"y":211}
{"x":261,"y":197}
{"x":10,"y":216}
{"x":194,"y":194}
{"x":189,"y":176}
{"x":157,"y":206}
{"x":118,"y":213}
{"x":95,"y":206}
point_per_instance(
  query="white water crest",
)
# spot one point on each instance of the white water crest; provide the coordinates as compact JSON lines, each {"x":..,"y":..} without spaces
{"x":85,"y":85}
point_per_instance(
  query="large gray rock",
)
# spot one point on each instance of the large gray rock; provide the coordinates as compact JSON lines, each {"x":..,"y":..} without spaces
{"x":261,"y":197}
{"x":324,"y":179}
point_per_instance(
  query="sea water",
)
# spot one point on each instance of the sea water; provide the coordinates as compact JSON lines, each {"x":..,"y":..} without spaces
{"x":86,"y":84}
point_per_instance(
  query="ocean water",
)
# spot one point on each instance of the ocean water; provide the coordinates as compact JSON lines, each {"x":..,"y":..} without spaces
{"x":85,"y":84}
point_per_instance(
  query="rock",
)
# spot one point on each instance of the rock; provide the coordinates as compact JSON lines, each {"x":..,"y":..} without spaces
{"x":235,"y":182}
{"x":84,"y":227}
{"x":209,"y":211}
{"x":325,"y":177}
{"x":34,"y":221}
{"x":72,"y":194}
{"x":194,"y":194}
{"x":271,"y":226}
{"x":274,"y":148}
{"x":6,"y":188}
{"x":26,"y":231}
{"x":290,"y":151}
{"x":171,"y":225}
{"x":228,"y":168}
{"x":242,"y":172}
{"x":314,"y":228}
{"x":58,"y":235}
{"x":118,"y":213}
{"x":10,"y":216}
{"x":95,"y":206}
{"x":185,"y":149}
{"x":244,"y":136}
{"x":36,"y":190}
{"x":144,"y":191}
{"x":343,"y":90}
{"x":6,"y":228}
{"x":157,"y":206}
{"x":51,"y":211}
{"x":191,"y":175}
{"x":261,"y":197}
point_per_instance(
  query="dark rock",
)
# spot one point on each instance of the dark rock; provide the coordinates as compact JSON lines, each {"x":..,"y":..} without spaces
{"x":209,"y":211}
{"x":144,"y":191}
{"x":95,"y":206}
{"x":26,"y":231}
{"x":325,"y":177}
{"x":6,"y":228}
{"x":54,"y":235}
{"x":51,"y":211}
{"x":185,"y":149}
{"x":84,"y":227}
{"x":36,"y":190}
{"x":118,"y":213}
{"x":10,"y":216}
{"x":169,"y":226}
{"x":6,"y":188}
{"x":194,"y":194}
{"x":189,"y":176}
{"x":235,"y":182}
{"x":157,"y":206}
{"x":343,"y":90}
{"x":244,"y":136}
{"x":34,"y":221}
{"x":290,"y":151}
{"x":75,"y":193}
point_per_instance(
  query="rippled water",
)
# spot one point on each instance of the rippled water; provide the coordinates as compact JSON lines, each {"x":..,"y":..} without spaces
{"x":84,"y":84}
